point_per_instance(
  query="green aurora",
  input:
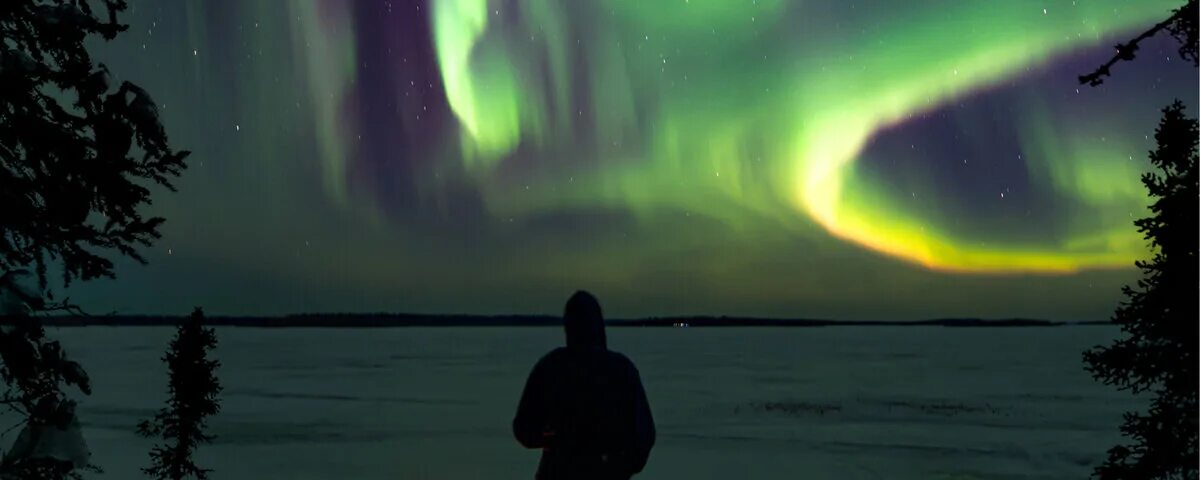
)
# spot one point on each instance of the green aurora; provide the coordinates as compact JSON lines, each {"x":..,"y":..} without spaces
{"x":807,"y":114}
{"x":683,"y":156}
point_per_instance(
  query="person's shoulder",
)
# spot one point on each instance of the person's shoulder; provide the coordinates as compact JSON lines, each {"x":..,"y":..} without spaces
{"x":553,"y":355}
{"x":552,"y":361}
{"x":618,"y":358}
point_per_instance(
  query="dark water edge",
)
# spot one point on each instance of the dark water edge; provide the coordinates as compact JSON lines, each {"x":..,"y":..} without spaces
{"x":380,"y":320}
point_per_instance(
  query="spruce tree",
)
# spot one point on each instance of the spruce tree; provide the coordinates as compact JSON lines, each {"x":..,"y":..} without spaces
{"x":192,"y":397}
{"x":1157,"y":352}
{"x":77,"y":157}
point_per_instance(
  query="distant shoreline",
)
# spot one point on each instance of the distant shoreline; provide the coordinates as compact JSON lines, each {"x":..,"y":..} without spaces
{"x":417,"y":320}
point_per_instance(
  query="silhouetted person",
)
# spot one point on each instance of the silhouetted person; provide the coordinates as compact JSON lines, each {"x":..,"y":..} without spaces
{"x":584,"y":405}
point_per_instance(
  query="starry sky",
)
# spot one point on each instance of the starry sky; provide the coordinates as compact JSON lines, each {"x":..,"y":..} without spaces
{"x":834,"y":159}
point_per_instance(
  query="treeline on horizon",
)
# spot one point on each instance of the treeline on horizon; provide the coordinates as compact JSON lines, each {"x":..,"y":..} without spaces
{"x":370,"y":320}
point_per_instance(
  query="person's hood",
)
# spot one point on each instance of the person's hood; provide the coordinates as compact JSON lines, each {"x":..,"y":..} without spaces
{"x":584,"y":322}
{"x":586,"y":332}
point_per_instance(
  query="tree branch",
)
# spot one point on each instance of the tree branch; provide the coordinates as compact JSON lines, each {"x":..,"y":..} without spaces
{"x":1127,"y":51}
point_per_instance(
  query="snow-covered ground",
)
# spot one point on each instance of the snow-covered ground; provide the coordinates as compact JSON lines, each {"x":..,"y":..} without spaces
{"x":429,"y":403}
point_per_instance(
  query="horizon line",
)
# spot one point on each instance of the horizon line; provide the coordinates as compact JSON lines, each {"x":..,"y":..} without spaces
{"x":399,"y":319}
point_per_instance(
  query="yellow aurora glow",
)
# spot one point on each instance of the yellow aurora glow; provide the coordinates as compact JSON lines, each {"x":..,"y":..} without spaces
{"x":809,"y":114}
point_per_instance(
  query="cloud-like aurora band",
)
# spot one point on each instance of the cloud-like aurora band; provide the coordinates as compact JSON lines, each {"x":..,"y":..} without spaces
{"x":766,"y":140}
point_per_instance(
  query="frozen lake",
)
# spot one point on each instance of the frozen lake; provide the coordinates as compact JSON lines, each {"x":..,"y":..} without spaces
{"x":436,"y":403}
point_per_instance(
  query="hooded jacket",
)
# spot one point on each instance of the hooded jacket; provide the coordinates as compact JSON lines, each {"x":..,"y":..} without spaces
{"x":585,"y":407}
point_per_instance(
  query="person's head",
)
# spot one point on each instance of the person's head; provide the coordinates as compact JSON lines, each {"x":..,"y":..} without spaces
{"x":584,"y":321}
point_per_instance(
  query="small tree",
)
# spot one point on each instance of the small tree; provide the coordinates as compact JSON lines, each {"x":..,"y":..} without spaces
{"x":192,"y":397}
{"x":1159,"y":320}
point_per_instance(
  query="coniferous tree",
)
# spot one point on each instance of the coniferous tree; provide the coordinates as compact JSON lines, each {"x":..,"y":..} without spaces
{"x":1157,"y":353}
{"x":192,"y":398}
{"x":76,"y":157}
{"x":74,"y":153}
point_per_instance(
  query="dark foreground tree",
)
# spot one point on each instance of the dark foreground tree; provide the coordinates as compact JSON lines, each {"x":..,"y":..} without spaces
{"x":35,"y":369}
{"x":76,"y":160}
{"x":75,"y":155}
{"x":1157,"y":354}
{"x":192,"y":398}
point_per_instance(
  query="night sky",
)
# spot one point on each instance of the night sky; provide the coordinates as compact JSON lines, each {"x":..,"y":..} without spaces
{"x":850,"y":160}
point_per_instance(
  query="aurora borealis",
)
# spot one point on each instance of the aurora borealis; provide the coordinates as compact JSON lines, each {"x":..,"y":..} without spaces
{"x":750,"y":157}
